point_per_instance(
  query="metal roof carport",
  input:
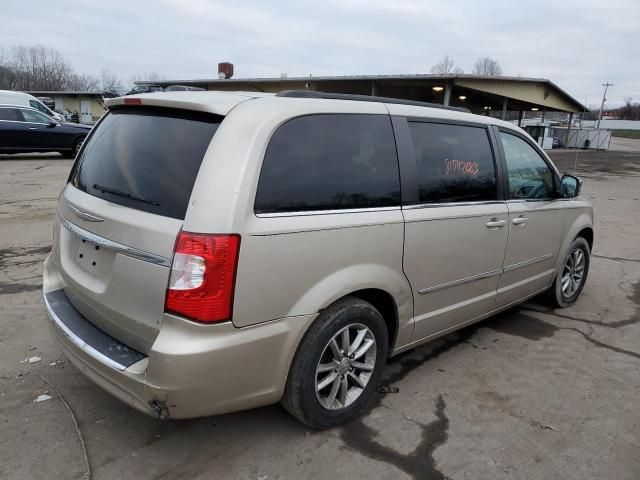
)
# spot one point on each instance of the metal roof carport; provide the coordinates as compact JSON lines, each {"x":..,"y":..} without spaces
{"x":495,"y":95}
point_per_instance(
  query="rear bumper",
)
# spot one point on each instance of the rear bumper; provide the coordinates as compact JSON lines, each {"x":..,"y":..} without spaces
{"x":192,"y":370}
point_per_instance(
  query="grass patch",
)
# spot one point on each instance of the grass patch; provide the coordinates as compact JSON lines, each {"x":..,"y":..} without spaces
{"x":626,"y":133}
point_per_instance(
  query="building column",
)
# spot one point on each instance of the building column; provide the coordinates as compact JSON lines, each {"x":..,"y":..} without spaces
{"x":544,"y":110}
{"x":504,"y":108}
{"x":374,"y":89}
{"x":520,"y":118}
{"x":447,"y":94}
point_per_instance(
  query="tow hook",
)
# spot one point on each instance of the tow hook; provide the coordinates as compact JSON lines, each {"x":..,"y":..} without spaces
{"x":160,"y":407}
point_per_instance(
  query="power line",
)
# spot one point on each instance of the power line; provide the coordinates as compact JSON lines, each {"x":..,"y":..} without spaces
{"x":604,"y":99}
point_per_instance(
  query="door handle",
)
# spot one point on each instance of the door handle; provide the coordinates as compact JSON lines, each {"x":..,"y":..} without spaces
{"x":495,"y":223}
{"x":520,"y":220}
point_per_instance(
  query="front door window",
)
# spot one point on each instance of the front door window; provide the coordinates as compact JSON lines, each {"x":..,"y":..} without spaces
{"x":35,"y":117}
{"x":529,"y":175}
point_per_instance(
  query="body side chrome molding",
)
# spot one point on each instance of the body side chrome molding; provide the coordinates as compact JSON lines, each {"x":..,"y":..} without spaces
{"x":481,"y":276}
{"x":533,"y":200}
{"x":114,"y":246}
{"x":303,"y":213}
{"x":526,"y":263}
{"x":454,"y":217}
{"x":460,"y":281}
{"x":395,"y":351}
{"x":418,"y":206}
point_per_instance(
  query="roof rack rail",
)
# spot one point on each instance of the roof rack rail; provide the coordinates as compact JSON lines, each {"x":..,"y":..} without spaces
{"x":364,"y":98}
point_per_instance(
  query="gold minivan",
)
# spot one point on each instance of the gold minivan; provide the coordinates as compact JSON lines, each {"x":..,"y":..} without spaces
{"x":218,"y":251}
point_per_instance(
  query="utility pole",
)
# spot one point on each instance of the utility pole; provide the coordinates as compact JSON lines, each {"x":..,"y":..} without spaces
{"x":604,"y":99}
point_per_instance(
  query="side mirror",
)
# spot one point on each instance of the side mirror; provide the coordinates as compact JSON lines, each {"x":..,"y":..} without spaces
{"x":570,"y":186}
{"x":52,"y":124}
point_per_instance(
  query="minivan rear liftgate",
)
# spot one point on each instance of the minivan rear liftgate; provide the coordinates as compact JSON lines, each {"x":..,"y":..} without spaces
{"x":120,"y":215}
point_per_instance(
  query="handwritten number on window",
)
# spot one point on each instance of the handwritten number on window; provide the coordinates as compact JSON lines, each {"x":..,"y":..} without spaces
{"x":460,"y":167}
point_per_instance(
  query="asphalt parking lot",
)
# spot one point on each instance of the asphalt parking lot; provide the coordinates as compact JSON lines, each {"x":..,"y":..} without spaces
{"x":530,"y":394}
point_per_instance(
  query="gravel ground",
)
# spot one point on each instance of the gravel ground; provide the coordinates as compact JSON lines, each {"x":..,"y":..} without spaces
{"x":532,"y":393}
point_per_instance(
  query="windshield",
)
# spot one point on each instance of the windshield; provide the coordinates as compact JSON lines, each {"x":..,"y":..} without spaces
{"x":38,"y":105}
{"x":145,"y":158}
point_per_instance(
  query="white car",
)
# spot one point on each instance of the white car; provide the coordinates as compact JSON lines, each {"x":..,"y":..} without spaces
{"x":9,"y":97}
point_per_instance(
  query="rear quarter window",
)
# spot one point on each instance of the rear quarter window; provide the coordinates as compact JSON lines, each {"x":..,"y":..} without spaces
{"x":145,"y":158}
{"x":329,"y":162}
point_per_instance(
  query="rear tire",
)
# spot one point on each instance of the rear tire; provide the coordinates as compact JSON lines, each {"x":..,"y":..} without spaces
{"x":572,"y":277}
{"x":74,"y":150}
{"x":332,"y":379}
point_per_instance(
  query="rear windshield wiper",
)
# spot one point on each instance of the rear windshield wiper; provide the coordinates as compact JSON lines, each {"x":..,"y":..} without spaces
{"x":120,"y":193}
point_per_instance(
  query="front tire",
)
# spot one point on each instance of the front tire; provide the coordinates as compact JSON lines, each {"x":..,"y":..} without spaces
{"x":571,"y":279}
{"x":338,"y":365}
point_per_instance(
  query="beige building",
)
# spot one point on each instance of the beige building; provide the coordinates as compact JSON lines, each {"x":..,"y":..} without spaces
{"x":88,"y":105}
{"x":494,"y":95}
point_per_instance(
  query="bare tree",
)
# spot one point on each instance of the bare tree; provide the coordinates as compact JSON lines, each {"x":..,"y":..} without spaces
{"x":110,"y":81}
{"x":154,"y":77}
{"x":83,"y":83}
{"x":6,"y":74}
{"x":40,"y":68}
{"x":630,"y":110}
{"x":150,"y":77}
{"x":446,"y":66}
{"x":487,"y":66}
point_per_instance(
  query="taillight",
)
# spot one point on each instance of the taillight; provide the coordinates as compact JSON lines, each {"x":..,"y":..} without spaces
{"x":203,"y":275}
{"x":133,"y":101}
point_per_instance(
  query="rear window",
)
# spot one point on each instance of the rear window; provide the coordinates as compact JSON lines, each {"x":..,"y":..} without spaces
{"x":330,"y":162}
{"x":455,"y":163}
{"x":146,"y":159}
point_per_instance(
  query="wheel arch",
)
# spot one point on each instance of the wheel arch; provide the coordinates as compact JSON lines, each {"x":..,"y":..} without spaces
{"x":386,"y":289}
{"x":587,"y":234}
{"x":384,"y":302}
{"x":580,"y":226}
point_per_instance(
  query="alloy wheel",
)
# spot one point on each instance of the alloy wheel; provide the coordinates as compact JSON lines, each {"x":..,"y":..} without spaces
{"x":573,"y":272}
{"x":345,"y":367}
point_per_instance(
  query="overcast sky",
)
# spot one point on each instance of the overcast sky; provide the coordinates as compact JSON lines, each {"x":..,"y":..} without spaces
{"x":577,"y":44}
